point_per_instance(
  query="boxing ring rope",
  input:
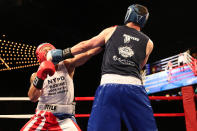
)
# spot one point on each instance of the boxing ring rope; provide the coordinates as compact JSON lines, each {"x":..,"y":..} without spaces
{"x":26,"y":116}
{"x":92,"y":98}
{"x":188,"y":59}
{"x":192,"y":63}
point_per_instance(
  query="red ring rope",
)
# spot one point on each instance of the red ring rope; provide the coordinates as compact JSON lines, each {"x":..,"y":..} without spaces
{"x":150,"y":97}
{"x":155,"y":115}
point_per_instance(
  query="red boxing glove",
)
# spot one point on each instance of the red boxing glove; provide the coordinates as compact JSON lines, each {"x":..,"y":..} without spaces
{"x":45,"y":68}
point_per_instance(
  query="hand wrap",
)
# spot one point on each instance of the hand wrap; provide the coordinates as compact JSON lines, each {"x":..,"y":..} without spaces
{"x":45,"y":68}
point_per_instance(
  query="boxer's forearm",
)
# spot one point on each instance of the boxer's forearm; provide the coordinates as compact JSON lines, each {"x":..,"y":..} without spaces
{"x":82,"y":47}
{"x":34,"y":93}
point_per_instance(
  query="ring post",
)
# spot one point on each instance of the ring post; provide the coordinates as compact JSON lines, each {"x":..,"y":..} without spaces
{"x":189,"y":108}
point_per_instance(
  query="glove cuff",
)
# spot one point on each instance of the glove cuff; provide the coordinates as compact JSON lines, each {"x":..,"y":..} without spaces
{"x":38,"y":83}
{"x":67,"y":53}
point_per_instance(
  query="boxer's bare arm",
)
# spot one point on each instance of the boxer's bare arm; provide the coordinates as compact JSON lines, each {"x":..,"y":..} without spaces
{"x":94,"y":42}
{"x":33,"y":92}
{"x":80,"y":59}
{"x":149,"y":49}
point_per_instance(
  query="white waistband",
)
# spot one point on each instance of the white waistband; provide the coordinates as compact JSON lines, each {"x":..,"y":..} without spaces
{"x":55,"y":108}
{"x":119,"y":79}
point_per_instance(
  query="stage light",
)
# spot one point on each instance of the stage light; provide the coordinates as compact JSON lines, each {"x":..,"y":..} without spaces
{"x":16,"y":55}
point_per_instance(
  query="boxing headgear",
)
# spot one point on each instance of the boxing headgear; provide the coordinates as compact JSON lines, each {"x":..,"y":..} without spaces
{"x":41,"y":53}
{"x":137,"y":14}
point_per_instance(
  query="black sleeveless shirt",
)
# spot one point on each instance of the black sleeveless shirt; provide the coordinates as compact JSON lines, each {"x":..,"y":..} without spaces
{"x":124,"y":52}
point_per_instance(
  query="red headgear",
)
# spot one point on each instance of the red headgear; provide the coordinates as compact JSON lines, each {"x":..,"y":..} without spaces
{"x":41,"y":53}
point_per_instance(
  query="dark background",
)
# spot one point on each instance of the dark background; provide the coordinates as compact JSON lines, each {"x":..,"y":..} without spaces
{"x":171,"y":26}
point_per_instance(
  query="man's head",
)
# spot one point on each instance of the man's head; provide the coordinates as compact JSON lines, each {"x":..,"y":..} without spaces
{"x":138,"y":14}
{"x":42,"y":50}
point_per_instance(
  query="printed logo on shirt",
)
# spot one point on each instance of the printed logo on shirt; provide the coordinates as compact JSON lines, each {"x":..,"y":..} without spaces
{"x":128,"y":38}
{"x":123,"y":61}
{"x":125,"y":51}
{"x":57,"y":85}
{"x":55,"y":80}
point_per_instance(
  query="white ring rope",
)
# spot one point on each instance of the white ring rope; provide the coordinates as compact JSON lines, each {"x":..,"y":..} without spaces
{"x":189,"y":61}
{"x":26,"y":116}
{"x":14,"y":99}
{"x":15,"y":116}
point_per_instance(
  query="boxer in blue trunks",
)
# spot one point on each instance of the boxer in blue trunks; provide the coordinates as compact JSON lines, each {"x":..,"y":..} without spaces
{"x":121,"y":94}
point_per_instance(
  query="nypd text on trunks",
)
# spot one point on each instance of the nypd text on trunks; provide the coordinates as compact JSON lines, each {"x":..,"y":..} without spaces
{"x":127,"y":38}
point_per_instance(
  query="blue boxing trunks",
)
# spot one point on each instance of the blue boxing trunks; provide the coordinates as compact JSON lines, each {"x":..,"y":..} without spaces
{"x":116,"y":102}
